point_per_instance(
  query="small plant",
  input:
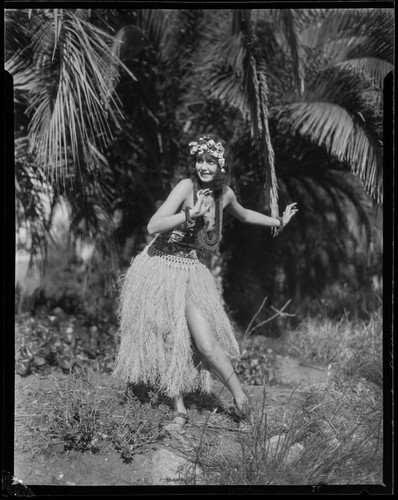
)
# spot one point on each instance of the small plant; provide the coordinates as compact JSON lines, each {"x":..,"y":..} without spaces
{"x":137,"y":425}
{"x":57,"y":342}
{"x":76,"y":410}
{"x":79,"y":416}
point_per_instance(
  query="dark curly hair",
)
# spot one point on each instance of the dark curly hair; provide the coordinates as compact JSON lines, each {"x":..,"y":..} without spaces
{"x":220,"y":179}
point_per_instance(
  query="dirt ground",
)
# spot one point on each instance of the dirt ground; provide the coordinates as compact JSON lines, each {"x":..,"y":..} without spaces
{"x":108,"y":469}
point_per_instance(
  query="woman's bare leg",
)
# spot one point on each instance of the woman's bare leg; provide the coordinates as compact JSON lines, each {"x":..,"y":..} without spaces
{"x":180,"y":417}
{"x":178,"y":402}
{"x":208,"y":346}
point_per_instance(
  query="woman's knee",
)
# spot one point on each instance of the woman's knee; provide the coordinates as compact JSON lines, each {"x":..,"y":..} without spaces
{"x":207,"y":348}
{"x":201,"y":333}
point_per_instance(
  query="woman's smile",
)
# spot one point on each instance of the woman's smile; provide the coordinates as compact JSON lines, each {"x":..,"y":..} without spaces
{"x":206,"y":167}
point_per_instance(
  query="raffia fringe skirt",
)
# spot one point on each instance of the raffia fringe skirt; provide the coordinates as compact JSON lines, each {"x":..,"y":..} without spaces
{"x":155,"y":345}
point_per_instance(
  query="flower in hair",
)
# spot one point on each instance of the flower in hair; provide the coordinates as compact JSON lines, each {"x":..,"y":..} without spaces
{"x":206,"y":145}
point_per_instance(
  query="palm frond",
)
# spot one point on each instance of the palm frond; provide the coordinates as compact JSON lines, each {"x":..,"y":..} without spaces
{"x":157,"y":24}
{"x":335,"y":23}
{"x":336,"y":112}
{"x":16,"y":31}
{"x":352,"y":33}
{"x":304,"y":18}
{"x":71,"y":79}
{"x":344,"y":137}
{"x":227,"y":86}
{"x":373,"y":68}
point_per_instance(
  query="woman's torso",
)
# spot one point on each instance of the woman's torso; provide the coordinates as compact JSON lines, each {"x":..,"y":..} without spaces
{"x":183,"y":240}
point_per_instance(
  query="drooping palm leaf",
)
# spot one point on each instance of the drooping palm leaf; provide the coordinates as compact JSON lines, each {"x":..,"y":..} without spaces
{"x":72,"y":75}
{"x":335,"y":112}
{"x":372,"y":67}
{"x":344,"y":137}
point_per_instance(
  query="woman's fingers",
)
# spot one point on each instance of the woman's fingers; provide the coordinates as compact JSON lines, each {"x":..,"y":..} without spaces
{"x":205,"y":207}
{"x":291,"y":208}
{"x":204,"y":192}
{"x":199,"y":203}
{"x":202,"y":203}
{"x":202,"y":195}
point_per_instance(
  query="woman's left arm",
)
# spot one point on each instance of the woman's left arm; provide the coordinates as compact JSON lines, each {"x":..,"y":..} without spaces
{"x":252,"y":217}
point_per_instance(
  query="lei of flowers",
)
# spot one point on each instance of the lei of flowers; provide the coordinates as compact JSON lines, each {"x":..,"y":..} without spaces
{"x":207,"y":145}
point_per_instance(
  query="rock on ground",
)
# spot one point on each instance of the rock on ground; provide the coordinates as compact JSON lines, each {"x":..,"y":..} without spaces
{"x":277,"y":447}
{"x":169,"y":468}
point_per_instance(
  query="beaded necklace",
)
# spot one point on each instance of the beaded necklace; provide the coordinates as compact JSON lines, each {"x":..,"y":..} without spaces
{"x":206,"y":241}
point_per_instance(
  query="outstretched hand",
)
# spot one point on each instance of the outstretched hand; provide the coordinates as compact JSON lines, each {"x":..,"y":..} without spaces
{"x":289,"y":212}
{"x":204,"y":202}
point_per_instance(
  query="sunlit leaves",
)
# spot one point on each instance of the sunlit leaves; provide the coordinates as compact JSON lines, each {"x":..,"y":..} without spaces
{"x":72,"y":76}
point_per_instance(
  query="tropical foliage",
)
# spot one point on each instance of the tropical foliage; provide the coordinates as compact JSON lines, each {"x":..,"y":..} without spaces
{"x":106,"y":100}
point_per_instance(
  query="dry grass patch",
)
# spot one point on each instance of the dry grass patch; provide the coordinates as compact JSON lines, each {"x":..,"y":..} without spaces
{"x":76,"y":412}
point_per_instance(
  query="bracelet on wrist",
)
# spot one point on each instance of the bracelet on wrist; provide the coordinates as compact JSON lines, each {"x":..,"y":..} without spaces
{"x":187,"y":215}
{"x":280,"y":228}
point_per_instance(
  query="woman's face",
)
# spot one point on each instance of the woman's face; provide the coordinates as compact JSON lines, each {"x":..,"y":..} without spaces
{"x":206,"y":167}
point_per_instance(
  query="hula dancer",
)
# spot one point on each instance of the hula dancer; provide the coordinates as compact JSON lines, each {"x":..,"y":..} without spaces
{"x":174,"y":331}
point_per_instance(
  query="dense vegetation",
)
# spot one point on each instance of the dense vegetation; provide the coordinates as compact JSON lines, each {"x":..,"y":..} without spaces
{"x":106,"y":99}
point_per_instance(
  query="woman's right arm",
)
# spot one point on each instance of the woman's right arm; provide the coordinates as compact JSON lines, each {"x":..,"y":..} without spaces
{"x":166,"y":217}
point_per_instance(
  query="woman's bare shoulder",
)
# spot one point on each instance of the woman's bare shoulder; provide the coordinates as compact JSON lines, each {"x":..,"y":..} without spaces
{"x":182,"y":187}
{"x":228,"y":195}
{"x":185,"y":184}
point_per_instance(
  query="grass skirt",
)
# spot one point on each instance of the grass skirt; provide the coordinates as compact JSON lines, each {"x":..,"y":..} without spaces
{"x":156,"y":346}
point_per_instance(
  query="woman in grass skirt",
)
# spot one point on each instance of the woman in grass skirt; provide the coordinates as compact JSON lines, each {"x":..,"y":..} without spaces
{"x":174,"y":330}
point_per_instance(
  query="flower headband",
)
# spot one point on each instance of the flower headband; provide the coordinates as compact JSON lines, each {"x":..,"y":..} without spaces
{"x":206,"y":145}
